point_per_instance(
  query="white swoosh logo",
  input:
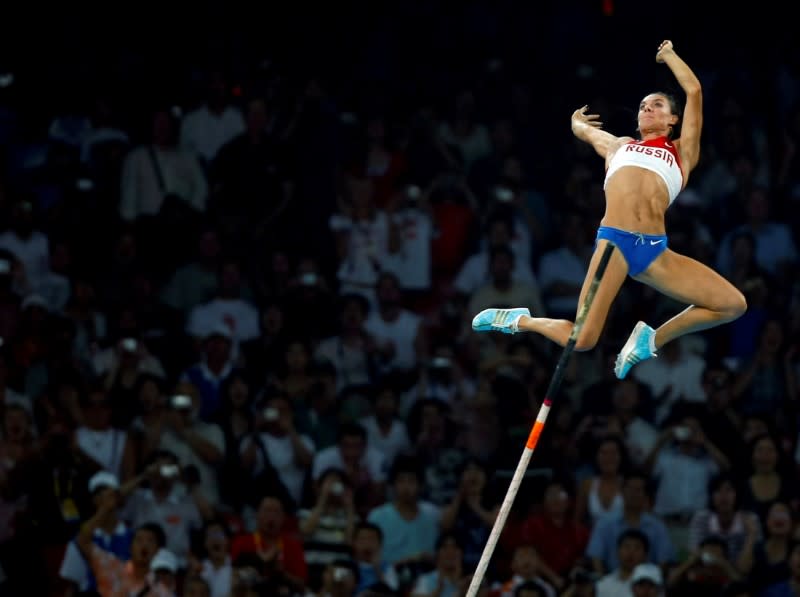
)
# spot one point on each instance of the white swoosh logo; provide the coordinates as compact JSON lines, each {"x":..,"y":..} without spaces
{"x":655,"y":242}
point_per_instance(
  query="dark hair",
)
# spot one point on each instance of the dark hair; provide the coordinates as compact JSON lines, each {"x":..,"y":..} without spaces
{"x":676,"y":108}
{"x":440,"y":541}
{"x":530,"y":585}
{"x":715,"y":540}
{"x":637,"y":473}
{"x":352,"y":430}
{"x":636,"y":535}
{"x":718,"y":481}
{"x":405,"y":464}
{"x":369,"y":526}
{"x":624,"y":458}
{"x":156,"y":530}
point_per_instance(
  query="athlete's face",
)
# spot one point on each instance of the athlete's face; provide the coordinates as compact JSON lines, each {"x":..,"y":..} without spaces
{"x":655,"y":114}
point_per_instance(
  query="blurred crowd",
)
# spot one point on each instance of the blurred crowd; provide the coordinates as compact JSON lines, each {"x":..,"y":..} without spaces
{"x":236,"y":356}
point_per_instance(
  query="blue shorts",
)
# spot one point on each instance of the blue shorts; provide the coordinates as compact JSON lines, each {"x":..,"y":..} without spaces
{"x":639,"y":250}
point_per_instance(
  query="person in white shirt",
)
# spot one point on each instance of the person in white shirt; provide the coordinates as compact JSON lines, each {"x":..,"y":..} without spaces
{"x":683,"y":461}
{"x":474,"y":273}
{"x":228,"y":307}
{"x":386,"y":431}
{"x":97,"y":439}
{"x":366,"y":467}
{"x":29,"y":245}
{"x":216,"y":568}
{"x":152,"y":172}
{"x":414,"y":225}
{"x":677,"y":374}
{"x":399,"y":333}
{"x":207,"y":128}
{"x":277,"y":444}
{"x":632,"y":549}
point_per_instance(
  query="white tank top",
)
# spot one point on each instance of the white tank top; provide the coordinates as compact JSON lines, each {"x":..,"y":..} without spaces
{"x":657,"y":155}
{"x":595,"y":506}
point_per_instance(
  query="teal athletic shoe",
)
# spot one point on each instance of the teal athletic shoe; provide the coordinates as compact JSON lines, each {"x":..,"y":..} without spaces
{"x":639,"y":347}
{"x":499,"y":320}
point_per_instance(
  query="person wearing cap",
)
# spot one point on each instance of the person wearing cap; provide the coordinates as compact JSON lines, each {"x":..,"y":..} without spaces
{"x":164,"y":570}
{"x":166,"y":503}
{"x":118,"y":577}
{"x":111,"y":535}
{"x":647,"y":581}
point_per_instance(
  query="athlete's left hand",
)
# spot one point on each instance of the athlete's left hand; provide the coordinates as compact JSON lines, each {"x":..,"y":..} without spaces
{"x":664,"y":48}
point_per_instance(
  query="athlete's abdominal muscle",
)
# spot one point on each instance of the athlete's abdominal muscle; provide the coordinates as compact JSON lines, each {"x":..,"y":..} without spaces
{"x":636,"y":200}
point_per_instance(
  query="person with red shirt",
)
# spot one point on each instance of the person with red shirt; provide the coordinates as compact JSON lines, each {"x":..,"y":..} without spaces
{"x":559,"y":540}
{"x":280,"y":551}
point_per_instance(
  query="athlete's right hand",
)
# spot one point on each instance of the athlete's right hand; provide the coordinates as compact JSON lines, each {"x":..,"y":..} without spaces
{"x":580,"y":116}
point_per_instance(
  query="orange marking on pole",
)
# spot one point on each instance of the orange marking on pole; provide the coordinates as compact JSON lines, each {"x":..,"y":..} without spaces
{"x":533,"y":438}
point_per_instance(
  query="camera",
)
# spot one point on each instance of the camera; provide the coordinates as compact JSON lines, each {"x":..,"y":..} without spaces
{"x":130,"y":345}
{"x":340,"y":573}
{"x":682,"y":433}
{"x":271,"y":414}
{"x":181,"y":401}
{"x":337,"y":488}
{"x":309,"y":279}
{"x":169,"y":470}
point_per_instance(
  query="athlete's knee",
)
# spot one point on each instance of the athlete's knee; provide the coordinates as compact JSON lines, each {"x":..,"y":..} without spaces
{"x":587,"y":340}
{"x":736,"y":305}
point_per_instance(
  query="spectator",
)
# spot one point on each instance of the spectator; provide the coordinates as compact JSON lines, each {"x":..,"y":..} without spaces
{"x":365,"y":467}
{"x":368,"y":556}
{"x":601,"y":493}
{"x":607,"y":530}
{"x":276,"y":455}
{"x":278,"y":553}
{"x":214,"y":123}
{"x":724,"y":518}
{"x":632,"y":548}
{"x":409,"y":525}
{"x":447,"y":579}
{"x":217,"y":570}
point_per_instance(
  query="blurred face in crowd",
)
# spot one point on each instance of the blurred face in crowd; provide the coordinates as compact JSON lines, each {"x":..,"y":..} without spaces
{"x":388,"y":292}
{"x":631,"y":553}
{"x":270,"y":516}
{"x":98,"y":411}
{"x":297,"y":357}
{"x":216,"y":543}
{"x":634,"y":494}
{"x":366,"y":545}
{"x":765,"y":455}
{"x":723,"y":498}
{"x":608,"y":457}
{"x":779,"y":520}
{"x":525,"y":561}
{"x":16,"y":424}
{"x":352,"y":316}
{"x":449,"y":555}
{"x":406,"y":488}
{"x":556,"y":500}
{"x":150,"y":397}
{"x":473,"y":479}
{"x":385,"y":405}
{"x":352,"y":448}
{"x":143,"y":547}
{"x":626,"y":396}
{"x":238,"y":393}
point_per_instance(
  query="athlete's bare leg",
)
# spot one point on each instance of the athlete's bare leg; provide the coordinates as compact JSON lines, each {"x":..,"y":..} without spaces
{"x":558,"y":330}
{"x":713,"y":300}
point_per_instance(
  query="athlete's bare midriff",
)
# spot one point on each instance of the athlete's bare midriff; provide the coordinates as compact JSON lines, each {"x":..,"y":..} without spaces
{"x":636,"y":201}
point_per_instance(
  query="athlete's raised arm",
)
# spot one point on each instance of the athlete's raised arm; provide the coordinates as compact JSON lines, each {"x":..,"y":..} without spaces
{"x":689,"y":142}
{"x":589,"y":128}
